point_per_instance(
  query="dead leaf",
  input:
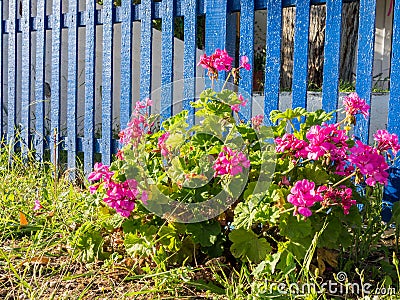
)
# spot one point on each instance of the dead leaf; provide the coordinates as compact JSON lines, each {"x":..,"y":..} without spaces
{"x":38,"y":260}
{"x":326,"y":256}
{"x":22,"y":219}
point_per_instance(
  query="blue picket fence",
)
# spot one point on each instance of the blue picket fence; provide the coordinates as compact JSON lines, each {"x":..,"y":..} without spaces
{"x":25,"y":65}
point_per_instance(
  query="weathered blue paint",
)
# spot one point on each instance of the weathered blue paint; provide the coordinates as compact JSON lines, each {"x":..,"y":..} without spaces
{"x":55,"y":80}
{"x":12,"y":69}
{"x":394,"y":103}
{"x":1,"y":71}
{"x":145,"y":49}
{"x":26,"y":78}
{"x":107,"y":90}
{"x":89,"y":85}
{"x":72,"y":85}
{"x":189,"y":57}
{"x":233,"y":6}
{"x":216,"y":11}
{"x":246,"y":48}
{"x":167,"y":59}
{"x":39,"y":82}
{"x":392,"y":190}
{"x":330,"y":89}
{"x":365,"y":61}
{"x":300,"y":54}
{"x":273,"y":56}
{"x":126,"y":63}
{"x":232,"y":21}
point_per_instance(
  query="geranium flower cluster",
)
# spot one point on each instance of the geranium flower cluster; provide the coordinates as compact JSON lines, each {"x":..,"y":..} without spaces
{"x":161,"y":144}
{"x":326,"y":139}
{"x":294,"y":146}
{"x":221,"y":61}
{"x":119,"y":196}
{"x":386,"y":141}
{"x":341,"y":196}
{"x":230,"y":162}
{"x":331,"y":147}
{"x":236,"y":107}
{"x":354,"y":105}
{"x":369,"y":163}
{"x":218,"y":61}
{"x":138,"y":125}
{"x":257,"y":121}
{"x":331,"y":144}
{"x":303,"y":196}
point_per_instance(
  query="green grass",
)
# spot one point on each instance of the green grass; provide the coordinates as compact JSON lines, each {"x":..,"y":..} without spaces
{"x":40,"y":259}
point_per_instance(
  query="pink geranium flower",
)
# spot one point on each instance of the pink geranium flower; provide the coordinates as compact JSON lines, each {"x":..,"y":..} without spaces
{"x":303,"y":196}
{"x":243,"y":102}
{"x":218,"y":61}
{"x":353,"y":105}
{"x":257,"y":121}
{"x":369,"y":163}
{"x":230,"y":162}
{"x":386,"y":141}
{"x":161,"y":144}
{"x":288,"y":142}
{"x":37,"y":205}
{"x":244,"y":63}
{"x":122,"y":196}
{"x":327,"y":139}
{"x":341,"y":196}
{"x":119,"y":196}
{"x":138,"y":126}
{"x":100,"y":172}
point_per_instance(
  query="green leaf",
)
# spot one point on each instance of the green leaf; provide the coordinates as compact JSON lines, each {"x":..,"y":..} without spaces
{"x":131,"y":225}
{"x":205,"y":233}
{"x":228,"y":97}
{"x":295,"y":229}
{"x":268,"y":214}
{"x":136,"y":245}
{"x":90,"y":245}
{"x":288,"y":114}
{"x":247,"y":246}
{"x":170,"y":236}
{"x":317,"y":117}
{"x":175,"y":140}
{"x":89,"y":242}
{"x":330,"y":236}
{"x":217,"y":249}
{"x":176,"y":171}
{"x":185,"y":253}
{"x":396,"y":213}
{"x":244,"y":216}
{"x":267,"y":266}
{"x":313,"y":172}
{"x":176,"y":122}
{"x":132,"y":171}
{"x":205,"y":140}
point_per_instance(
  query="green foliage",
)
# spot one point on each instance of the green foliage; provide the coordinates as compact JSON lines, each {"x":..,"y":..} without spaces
{"x":88,"y":242}
{"x":247,"y":246}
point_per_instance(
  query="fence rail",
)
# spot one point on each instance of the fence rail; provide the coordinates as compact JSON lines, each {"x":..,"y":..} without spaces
{"x":42,"y":81}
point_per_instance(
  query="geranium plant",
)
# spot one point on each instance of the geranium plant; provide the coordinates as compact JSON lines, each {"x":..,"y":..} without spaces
{"x":241,"y":189}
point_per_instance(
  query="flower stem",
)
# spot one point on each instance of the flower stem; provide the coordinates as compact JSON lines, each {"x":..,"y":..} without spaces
{"x":344,"y":179}
{"x":226,"y":81}
{"x":288,"y":210}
